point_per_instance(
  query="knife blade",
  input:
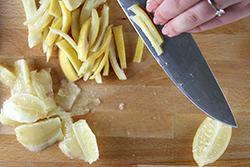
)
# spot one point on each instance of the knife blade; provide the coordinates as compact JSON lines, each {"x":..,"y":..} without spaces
{"x":185,"y":65}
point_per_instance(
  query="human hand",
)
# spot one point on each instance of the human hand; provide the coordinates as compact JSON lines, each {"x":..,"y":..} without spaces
{"x":180,"y":16}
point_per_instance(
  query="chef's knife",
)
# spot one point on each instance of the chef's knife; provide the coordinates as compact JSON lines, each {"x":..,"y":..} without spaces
{"x":187,"y":68}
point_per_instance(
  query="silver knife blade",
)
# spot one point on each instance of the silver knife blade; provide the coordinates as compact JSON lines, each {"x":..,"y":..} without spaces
{"x":185,"y":65}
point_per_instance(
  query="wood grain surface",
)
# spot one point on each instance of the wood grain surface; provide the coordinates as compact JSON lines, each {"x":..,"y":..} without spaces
{"x":158,"y":123}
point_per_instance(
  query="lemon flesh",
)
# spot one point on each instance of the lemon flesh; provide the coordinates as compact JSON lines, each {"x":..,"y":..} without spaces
{"x":69,"y":145}
{"x":66,"y":95}
{"x":210,"y":141}
{"x":24,"y":108}
{"x":86,"y":140}
{"x":39,"y":135}
{"x":7,"y":77}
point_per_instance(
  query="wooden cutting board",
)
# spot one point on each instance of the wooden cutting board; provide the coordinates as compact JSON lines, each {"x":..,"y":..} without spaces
{"x":158,"y":123}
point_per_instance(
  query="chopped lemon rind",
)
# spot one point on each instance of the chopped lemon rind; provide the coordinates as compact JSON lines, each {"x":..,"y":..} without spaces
{"x":38,"y":13}
{"x":112,"y":56}
{"x":67,"y":67}
{"x":138,"y":50}
{"x":103,"y":47}
{"x":103,"y":26}
{"x":139,"y":11}
{"x":70,"y":53}
{"x":83,"y":45}
{"x":72,"y":5}
{"x":119,"y":40}
{"x":147,"y":33}
{"x":55,"y":9}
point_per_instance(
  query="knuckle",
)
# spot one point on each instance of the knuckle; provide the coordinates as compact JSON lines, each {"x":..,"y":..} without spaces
{"x":176,"y":4}
{"x":193,"y":18}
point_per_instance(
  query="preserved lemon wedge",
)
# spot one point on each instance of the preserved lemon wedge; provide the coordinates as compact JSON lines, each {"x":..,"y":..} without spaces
{"x":210,"y":141}
{"x":7,"y":121}
{"x":24,"y":108}
{"x":87,"y":140}
{"x":6,"y":76}
{"x":42,"y":83}
{"x":38,"y":136}
{"x":66,"y":95}
{"x":69,"y":145}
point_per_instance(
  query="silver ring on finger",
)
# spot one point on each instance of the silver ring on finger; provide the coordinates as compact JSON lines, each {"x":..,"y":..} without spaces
{"x":219,"y":12}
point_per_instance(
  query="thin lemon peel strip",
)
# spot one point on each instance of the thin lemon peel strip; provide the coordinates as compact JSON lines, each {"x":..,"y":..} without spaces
{"x":112,"y":56}
{"x":103,"y":26}
{"x":38,"y":13}
{"x":148,"y":34}
{"x":139,"y":11}
{"x":67,"y":67}
{"x":138,"y":50}
{"x":119,"y":40}
{"x":83,"y":44}
{"x":55,"y":9}
{"x":104,"y":46}
{"x":65,"y":36}
{"x":70,"y":53}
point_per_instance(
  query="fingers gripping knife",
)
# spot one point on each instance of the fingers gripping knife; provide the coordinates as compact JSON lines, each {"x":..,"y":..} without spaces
{"x":185,"y":65}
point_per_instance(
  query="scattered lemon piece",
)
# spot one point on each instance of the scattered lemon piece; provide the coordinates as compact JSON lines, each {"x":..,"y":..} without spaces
{"x":210,"y":141}
{"x":87,"y":140}
{"x":40,"y":135}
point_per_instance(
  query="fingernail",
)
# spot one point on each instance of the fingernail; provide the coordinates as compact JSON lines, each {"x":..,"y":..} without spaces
{"x":165,"y":31}
{"x":156,"y":21}
{"x":149,"y":7}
